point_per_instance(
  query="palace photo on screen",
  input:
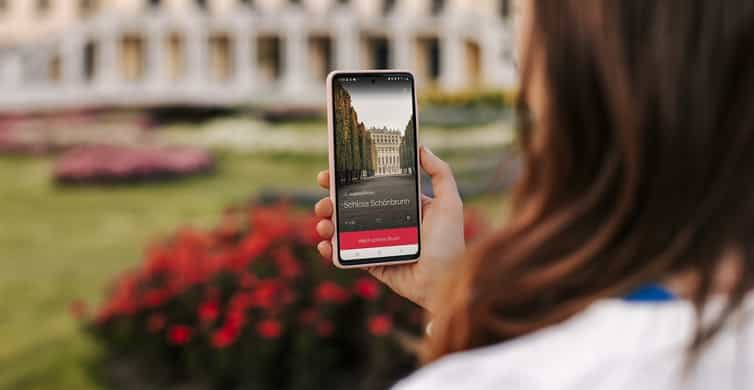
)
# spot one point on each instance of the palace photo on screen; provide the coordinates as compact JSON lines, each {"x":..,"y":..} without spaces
{"x":375,"y":154}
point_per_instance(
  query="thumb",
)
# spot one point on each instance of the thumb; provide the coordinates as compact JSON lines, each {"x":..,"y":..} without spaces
{"x":443,"y":182}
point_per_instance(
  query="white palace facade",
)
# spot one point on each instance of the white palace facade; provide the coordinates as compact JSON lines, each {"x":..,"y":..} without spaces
{"x":387,"y":151}
{"x":58,"y":54}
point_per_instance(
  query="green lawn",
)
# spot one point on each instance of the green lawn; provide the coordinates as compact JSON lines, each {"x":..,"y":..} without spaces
{"x":58,"y":244}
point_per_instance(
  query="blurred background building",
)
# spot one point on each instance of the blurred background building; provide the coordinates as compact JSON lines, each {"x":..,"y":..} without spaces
{"x":60,"y":54}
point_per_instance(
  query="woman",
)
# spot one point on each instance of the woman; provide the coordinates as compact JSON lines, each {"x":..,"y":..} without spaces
{"x":628,"y":262}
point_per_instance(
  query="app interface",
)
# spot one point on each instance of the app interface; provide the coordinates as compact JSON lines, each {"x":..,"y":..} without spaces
{"x":375,"y":167}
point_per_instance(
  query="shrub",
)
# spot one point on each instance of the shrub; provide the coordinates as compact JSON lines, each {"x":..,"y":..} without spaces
{"x":251,"y":304}
{"x":109,"y":164}
{"x":466,"y":108}
{"x":471,"y":99}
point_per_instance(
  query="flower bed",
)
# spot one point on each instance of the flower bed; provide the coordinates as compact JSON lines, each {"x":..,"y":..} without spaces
{"x":250,"y":304}
{"x":47,"y":134}
{"x":110,"y":164}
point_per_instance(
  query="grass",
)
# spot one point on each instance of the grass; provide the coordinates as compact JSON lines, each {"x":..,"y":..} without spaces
{"x":58,"y":244}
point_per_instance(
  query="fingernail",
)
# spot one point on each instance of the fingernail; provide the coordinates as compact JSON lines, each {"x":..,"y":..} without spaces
{"x":426,"y":149}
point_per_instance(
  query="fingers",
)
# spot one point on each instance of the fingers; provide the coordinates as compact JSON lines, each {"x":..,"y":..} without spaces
{"x":323,"y":208}
{"x":426,"y":200}
{"x":323,"y":179}
{"x":325,"y":249}
{"x":325,"y":229}
{"x":443,"y":183}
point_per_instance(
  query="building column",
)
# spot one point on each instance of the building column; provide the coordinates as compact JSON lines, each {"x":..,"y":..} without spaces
{"x":346,"y":39}
{"x":107,"y":60}
{"x":156,"y":65}
{"x":497,"y":47}
{"x":72,"y":57}
{"x":453,"y":73}
{"x":244,"y":54}
{"x":402,"y":45}
{"x":295,"y":59}
{"x":11,"y":69}
{"x":196,"y":56}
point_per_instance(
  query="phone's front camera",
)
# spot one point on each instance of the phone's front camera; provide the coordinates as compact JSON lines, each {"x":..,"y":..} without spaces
{"x":374,"y":81}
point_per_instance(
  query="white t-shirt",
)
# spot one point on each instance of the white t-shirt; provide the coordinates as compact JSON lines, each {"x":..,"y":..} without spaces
{"x":612,"y":345}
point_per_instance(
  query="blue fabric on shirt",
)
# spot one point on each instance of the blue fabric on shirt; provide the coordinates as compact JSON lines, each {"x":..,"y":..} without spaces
{"x":650,"y":293}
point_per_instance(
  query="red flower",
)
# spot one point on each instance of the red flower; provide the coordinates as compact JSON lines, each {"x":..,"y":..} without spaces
{"x":155,"y":322}
{"x":380,"y":325}
{"x":287,"y":264}
{"x":331,"y":292}
{"x":251,"y":248}
{"x":269,"y":329}
{"x":154,"y":298}
{"x":224,"y":337}
{"x":246,"y":280}
{"x":325,"y":328}
{"x":209,"y":310}
{"x":179,"y":334}
{"x":367,"y":288}
{"x":78,"y":309}
{"x":309,"y":231}
{"x":308,"y":316}
{"x":266,"y":294}
{"x":241,"y":301}
{"x":235,"y":319}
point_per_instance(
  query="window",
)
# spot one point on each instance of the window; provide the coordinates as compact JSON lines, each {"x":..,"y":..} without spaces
{"x":43,"y":7}
{"x":380,"y":53}
{"x":434,"y":59}
{"x":87,"y":7}
{"x":90,"y":61}
{"x":437,"y":6}
{"x":388,"y":6}
{"x":505,"y":8}
{"x":269,"y":57}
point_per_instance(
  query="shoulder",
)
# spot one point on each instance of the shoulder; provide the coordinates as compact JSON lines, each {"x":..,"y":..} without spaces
{"x":602,"y":338}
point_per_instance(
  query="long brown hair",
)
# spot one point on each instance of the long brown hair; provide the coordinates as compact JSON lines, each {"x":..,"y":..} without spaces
{"x":641,"y":167}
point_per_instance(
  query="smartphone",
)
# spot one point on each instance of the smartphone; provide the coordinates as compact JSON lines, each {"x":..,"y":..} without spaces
{"x":374,"y":168}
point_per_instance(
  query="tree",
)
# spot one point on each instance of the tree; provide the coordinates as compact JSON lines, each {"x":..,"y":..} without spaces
{"x":357,"y":166}
{"x":366,"y":151}
{"x":342,"y":103}
{"x":408,"y":148}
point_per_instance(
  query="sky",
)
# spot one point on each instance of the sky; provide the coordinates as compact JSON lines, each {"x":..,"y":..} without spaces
{"x":386,"y":103}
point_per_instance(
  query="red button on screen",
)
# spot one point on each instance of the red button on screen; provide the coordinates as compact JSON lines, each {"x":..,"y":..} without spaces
{"x":379,"y":238}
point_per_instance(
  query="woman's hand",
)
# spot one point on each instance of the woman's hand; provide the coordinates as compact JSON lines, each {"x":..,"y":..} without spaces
{"x":442,"y":235}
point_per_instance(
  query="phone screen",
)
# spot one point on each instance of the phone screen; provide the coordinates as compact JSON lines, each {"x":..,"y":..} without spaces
{"x":376,"y":167}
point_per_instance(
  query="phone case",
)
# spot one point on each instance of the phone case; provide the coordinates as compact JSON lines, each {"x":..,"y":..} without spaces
{"x":331,"y":155}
